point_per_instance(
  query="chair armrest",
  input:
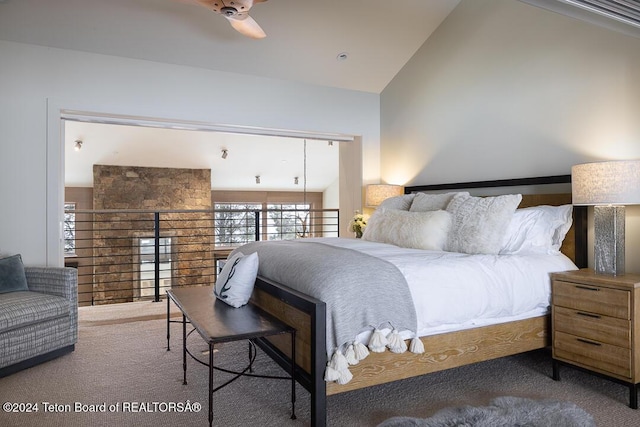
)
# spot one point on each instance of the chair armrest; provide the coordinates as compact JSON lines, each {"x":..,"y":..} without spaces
{"x":60,"y":281}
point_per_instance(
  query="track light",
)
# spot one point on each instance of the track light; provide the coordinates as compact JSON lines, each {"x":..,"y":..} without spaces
{"x":257,"y":179}
{"x":330,"y":143}
{"x":225,"y":153}
{"x":78,"y":145}
{"x":295,"y":180}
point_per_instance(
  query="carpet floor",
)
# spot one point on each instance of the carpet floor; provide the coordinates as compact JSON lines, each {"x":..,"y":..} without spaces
{"x":126,"y":367}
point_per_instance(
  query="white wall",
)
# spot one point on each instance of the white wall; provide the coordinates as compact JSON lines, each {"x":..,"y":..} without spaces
{"x":37,"y":82}
{"x":331,"y":196}
{"x":503,"y":89}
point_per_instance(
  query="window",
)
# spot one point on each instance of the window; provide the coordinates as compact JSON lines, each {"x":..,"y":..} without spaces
{"x":69,"y":228}
{"x":279,"y":215}
{"x":288,"y":221}
{"x":148,"y":249}
{"x":235,"y":223}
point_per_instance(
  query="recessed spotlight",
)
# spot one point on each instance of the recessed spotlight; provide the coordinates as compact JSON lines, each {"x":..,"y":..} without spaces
{"x":342,"y":56}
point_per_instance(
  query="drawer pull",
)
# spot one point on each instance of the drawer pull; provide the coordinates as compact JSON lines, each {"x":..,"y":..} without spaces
{"x":587,"y":288}
{"x":593,"y":316}
{"x":597,"y":344}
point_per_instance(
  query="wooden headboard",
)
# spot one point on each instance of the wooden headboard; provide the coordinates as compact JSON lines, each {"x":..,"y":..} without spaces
{"x":575,"y":243}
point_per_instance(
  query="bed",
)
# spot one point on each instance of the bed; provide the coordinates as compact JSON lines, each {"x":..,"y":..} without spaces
{"x":443,"y":349}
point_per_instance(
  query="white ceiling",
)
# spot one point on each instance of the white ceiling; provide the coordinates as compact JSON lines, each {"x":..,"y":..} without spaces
{"x":277,"y":160}
{"x":304,"y":37}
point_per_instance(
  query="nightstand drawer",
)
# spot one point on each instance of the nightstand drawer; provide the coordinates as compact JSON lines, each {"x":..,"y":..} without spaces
{"x":592,"y":299}
{"x":602,"y":357}
{"x":610,"y":330}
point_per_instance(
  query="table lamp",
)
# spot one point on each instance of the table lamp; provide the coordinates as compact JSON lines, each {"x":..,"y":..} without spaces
{"x":375,"y":194}
{"x":608,"y":187}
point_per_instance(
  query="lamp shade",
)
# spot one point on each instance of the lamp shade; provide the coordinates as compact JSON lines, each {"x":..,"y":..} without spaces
{"x":376,"y":193}
{"x":606,"y":183}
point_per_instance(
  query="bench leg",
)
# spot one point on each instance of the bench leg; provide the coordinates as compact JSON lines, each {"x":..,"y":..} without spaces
{"x":184,"y":349}
{"x":210,"y":384}
{"x":168,"y":323}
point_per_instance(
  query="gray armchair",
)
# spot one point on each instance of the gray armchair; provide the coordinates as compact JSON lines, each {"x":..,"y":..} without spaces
{"x":39,"y":324}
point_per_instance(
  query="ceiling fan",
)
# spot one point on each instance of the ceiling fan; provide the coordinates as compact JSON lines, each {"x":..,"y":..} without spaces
{"x":237,"y":13}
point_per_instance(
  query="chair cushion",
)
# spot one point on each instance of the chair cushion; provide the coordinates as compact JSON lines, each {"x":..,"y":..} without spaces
{"x":12,"y":277}
{"x":23,"y":308}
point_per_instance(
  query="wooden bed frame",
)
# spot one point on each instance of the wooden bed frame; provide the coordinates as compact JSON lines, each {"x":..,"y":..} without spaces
{"x":443,"y":351}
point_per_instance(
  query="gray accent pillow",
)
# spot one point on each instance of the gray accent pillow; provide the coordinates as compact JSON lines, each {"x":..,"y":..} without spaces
{"x":479,"y":224}
{"x":424,"y":202}
{"x":402,"y":203}
{"x":12,"y":277}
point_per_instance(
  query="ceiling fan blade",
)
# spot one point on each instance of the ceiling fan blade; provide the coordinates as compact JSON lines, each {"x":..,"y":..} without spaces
{"x":247,"y":26}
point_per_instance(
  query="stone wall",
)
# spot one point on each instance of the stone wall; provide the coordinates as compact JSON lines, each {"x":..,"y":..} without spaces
{"x":130,"y":196}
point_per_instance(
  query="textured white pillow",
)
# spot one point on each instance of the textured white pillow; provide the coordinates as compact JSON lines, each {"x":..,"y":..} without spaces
{"x":417,"y":230}
{"x":234,"y":284}
{"x":480,"y":223}
{"x":424,"y":202}
{"x":537,"y":230}
{"x":402,"y":203}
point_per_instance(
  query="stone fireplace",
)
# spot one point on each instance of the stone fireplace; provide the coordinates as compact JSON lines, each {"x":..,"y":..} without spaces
{"x":127,"y":199}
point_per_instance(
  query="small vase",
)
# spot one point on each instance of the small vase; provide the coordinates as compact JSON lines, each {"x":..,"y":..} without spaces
{"x":358,"y":234}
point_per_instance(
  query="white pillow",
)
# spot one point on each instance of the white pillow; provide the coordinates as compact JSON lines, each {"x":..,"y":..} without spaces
{"x":402,"y":203}
{"x":417,"y":230}
{"x":480,"y":223}
{"x":537,"y":230}
{"x":234,"y":284}
{"x":424,"y":202}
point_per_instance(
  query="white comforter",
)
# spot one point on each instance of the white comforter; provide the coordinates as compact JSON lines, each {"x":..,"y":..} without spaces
{"x":453,"y":291}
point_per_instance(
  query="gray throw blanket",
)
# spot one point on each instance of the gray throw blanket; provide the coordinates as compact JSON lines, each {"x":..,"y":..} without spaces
{"x":360,"y":290}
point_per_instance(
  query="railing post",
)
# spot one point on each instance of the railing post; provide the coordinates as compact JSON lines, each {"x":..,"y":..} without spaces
{"x":256,"y":218}
{"x":156,"y":260}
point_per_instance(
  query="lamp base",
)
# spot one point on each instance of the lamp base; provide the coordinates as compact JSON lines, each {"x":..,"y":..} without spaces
{"x":609,"y":239}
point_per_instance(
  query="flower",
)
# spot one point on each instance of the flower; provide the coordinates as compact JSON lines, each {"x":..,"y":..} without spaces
{"x":358,"y":224}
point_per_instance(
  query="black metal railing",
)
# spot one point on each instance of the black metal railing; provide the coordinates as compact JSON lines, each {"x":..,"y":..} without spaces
{"x":131,"y":255}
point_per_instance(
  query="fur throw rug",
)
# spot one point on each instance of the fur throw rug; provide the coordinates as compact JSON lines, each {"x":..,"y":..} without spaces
{"x":503,"y":412}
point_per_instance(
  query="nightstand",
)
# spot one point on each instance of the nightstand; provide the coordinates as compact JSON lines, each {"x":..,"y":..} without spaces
{"x":596,"y":325}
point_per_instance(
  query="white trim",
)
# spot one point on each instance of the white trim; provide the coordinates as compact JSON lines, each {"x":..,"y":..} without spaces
{"x":54,"y":209}
{"x":117,"y":119}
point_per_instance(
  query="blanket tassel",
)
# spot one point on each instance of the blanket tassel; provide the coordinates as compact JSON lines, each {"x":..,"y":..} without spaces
{"x":350,"y":355}
{"x":396,"y":344}
{"x":338,"y":369}
{"x":360,"y":350}
{"x":378,"y":342}
{"x":417,"y":346}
